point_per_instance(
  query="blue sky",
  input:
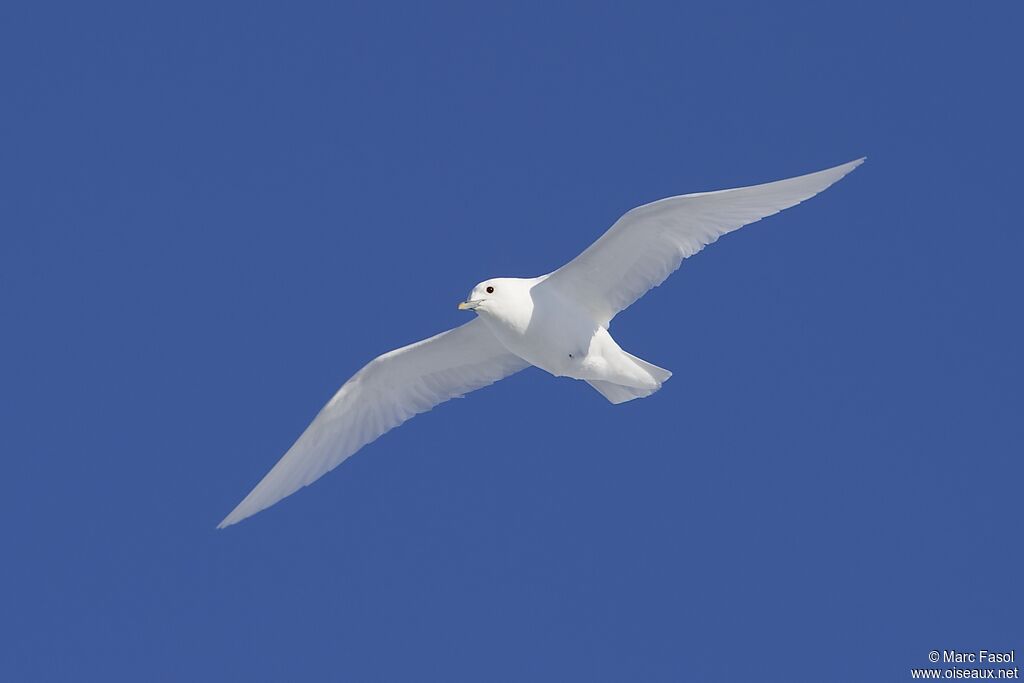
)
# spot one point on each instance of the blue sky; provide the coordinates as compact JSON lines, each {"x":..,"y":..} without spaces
{"x":212,"y":215}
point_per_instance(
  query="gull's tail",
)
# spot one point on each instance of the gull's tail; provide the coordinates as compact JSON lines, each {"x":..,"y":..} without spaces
{"x":620,"y":393}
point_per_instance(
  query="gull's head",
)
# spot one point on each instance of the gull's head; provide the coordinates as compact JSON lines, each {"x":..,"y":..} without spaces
{"x":496,"y":295}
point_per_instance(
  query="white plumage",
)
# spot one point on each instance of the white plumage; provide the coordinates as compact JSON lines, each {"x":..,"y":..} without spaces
{"x":557,"y":322}
{"x":385,"y":393}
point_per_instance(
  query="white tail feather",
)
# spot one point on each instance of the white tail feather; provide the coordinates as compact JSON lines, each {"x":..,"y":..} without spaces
{"x":618,"y":393}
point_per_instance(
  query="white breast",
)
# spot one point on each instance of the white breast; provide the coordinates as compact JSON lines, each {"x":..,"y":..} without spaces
{"x":549,"y":332}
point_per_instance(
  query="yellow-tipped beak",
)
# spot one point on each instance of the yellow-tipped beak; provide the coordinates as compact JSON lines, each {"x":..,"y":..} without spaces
{"x":468,"y":305}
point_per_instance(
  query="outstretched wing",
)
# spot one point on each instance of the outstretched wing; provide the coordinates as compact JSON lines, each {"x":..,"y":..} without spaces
{"x":649,"y":242}
{"x":384,"y":394}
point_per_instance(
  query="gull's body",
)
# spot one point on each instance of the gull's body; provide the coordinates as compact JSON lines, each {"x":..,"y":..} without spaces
{"x":557,"y":322}
{"x":543,"y":324}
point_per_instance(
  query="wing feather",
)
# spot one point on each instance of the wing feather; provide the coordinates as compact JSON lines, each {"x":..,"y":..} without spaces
{"x":384,"y":394}
{"x":649,"y":242}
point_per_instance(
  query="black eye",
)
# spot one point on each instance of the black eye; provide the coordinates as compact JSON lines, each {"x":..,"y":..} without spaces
{"x":490,"y":290}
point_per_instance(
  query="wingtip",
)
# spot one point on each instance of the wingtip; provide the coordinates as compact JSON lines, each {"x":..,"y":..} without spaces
{"x":234,"y":517}
{"x":842,"y":170}
{"x":832,"y":174}
{"x":850,"y":165}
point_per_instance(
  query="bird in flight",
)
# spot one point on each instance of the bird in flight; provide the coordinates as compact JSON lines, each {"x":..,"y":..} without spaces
{"x":557,"y":322}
